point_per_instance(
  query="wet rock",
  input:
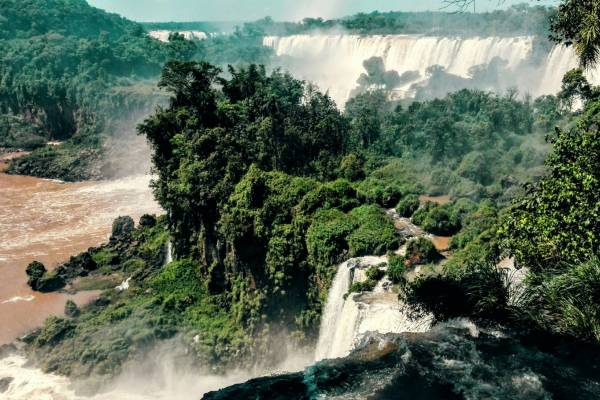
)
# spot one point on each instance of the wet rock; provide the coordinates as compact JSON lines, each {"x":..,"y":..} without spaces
{"x":7,"y":349}
{"x":4,"y":383}
{"x":122,"y":228}
{"x":35,"y":271}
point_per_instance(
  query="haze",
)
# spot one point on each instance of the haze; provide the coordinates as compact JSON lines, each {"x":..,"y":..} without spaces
{"x":245,"y":10}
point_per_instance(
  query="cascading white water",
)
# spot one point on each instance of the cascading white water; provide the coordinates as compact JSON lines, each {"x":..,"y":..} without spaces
{"x":347,"y":319}
{"x":163,"y":35}
{"x":169,"y":256}
{"x":334,"y":61}
{"x":332,"y":315}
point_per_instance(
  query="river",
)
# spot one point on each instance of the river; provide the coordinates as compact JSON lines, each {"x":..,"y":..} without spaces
{"x":50,"y":221}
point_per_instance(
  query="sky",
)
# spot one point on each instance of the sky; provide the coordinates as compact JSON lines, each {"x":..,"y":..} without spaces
{"x":289,"y":10}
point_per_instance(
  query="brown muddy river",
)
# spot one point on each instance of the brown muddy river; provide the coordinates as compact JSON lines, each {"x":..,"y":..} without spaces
{"x":50,"y":221}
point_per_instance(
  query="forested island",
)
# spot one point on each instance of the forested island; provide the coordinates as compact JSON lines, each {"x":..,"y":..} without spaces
{"x":268,"y":185}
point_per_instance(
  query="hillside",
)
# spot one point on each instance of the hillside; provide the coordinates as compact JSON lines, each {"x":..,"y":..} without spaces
{"x":74,"y":73}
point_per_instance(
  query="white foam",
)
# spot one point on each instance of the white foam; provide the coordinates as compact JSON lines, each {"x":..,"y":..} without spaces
{"x":17,"y":299}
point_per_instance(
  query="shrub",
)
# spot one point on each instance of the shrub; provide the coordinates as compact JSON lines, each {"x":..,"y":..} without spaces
{"x":375,"y":273}
{"x":420,"y":214}
{"x":380,"y":192}
{"x":365,"y":286}
{"x":337,"y":194}
{"x":567,"y":303}
{"x":54,"y":330}
{"x":479,"y":291}
{"x":421,"y":251}
{"x":147,"y":221}
{"x":408,"y":205}
{"x":71,"y":309}
{"x":351,"y":168}
{"x":396,"y":268}
{"x":441,"y":221}
{"x":326,"y":238}
{"x":375,"y":233}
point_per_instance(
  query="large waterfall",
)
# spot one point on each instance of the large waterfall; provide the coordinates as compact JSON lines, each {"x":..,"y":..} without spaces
{"x":334,"y":61}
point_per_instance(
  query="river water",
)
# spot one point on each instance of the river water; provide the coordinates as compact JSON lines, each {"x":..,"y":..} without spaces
{"x":50,"y":221}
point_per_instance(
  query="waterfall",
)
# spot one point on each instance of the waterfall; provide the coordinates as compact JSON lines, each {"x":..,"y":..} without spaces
{"x":169,"y":251}
{"x":347,"y":319}
{"x":332,"y":315}
{"x":163,"y":35}
{"x":334,"y":61}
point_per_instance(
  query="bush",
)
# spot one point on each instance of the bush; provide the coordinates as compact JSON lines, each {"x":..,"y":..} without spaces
{"x":351,"y":168}
{"x":567,"y":303}
{"x":147,"y":221}
{"x":326,"y":236}
{"x":54,"y":330}
{"x":421,"y":251}
{"x":479,"y":291}
{"x":380,"y":192}
{"x":420,"y":214}
{"x":358,"y":287}
{"x":71,"y":309}
{"x":375,"y":233}
{"x":408,"y":205}
{"x":375,"y":273}
{"x":396,"y":268}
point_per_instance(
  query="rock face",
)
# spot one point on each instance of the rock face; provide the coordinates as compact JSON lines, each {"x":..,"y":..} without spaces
{"x":35,"y":271}
{"x":4,"y":382}
{"x":122,"y":228}
{"x":456,"y":360}
{"x":119,"y":249}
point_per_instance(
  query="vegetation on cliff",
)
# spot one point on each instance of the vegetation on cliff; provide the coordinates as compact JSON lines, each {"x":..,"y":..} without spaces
{"x":76,"y":74}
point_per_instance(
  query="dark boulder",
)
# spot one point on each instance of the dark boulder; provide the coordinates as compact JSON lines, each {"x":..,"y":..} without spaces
{"x":35,"y":271}
{"x":122,"y":228}
{"x":4,"y":383}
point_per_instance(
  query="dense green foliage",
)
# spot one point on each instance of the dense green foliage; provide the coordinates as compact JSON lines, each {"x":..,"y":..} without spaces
{"x":469,"y":144}
{"x":558,"y":221}
{"x":71,"y":72}
{"x":421,"y":251}
{"x":160,"y":303}
{"x":552,"y":232}
{"x":576,"y":24}
{"x":239,"y":166}
{"x":396,"y":268}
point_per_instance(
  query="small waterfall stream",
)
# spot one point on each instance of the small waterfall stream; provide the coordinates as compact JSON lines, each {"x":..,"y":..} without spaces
{"x":169,"y":251}
{"x":347,"y":319}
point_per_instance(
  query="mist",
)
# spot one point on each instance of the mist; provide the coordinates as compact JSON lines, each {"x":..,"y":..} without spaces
{"x":167,"y":371}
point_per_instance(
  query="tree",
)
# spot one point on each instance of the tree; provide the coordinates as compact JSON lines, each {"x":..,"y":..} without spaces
{"x":577,"y":24}
{"x":215,"y":128}
{"x":574,"y":87}
{"x":558,"y":221}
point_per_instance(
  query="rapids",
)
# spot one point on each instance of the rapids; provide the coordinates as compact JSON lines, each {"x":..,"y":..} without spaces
{"x":50,"y":221}
{"x":334,"y":61}
{"x":347,"y":318}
